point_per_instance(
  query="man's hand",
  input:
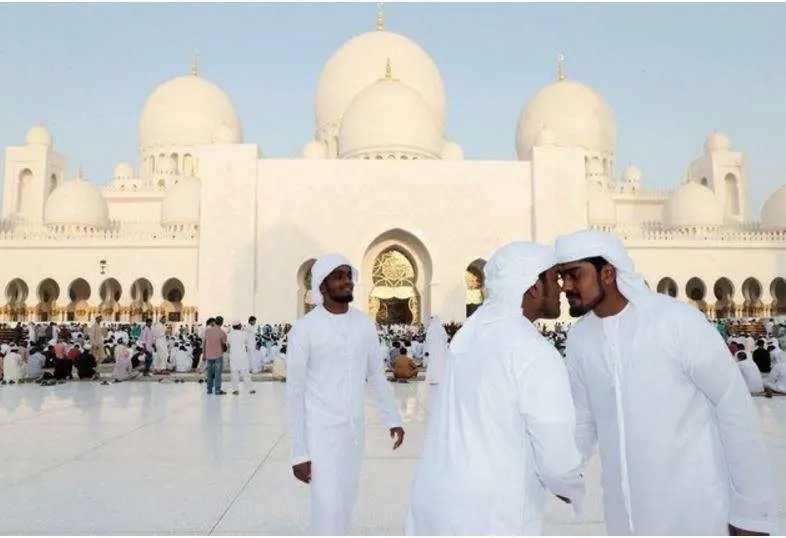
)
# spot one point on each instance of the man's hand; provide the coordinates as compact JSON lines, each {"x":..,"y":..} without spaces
{"x":302,"y":471}
{"x":736,"y":531}
{"x":397,"y":434}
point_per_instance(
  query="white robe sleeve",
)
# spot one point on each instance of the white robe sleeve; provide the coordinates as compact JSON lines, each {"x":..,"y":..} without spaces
{"x":547,"y":407}
{"x":752,"y":489}
{"x":375,"y":377}
{"x":586,"y":431}
{"x":297,"y":367}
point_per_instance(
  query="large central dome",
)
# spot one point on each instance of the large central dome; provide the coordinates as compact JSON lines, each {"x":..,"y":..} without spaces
{"x":355,"y":67}
{"x":186,"y":111}
{"x":576,"y":114}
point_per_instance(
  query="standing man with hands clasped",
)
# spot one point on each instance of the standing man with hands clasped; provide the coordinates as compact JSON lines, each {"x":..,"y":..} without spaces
{"x":332,"y":352}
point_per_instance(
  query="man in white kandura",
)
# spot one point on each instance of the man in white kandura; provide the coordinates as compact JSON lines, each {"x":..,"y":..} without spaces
{"x":437,"y":348}
{"x":653,"y":383}
{"x":332,"y":352}
{"x":501,"y":432}
{"x":162,"y":349}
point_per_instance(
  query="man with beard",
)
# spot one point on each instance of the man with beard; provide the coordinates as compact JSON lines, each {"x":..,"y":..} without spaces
{"x":652,"y":381}
{"x":332,"y":352}
{"x":501,"y":431}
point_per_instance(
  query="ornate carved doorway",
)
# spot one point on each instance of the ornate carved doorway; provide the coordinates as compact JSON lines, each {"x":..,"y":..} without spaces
{"x":394,"y":297}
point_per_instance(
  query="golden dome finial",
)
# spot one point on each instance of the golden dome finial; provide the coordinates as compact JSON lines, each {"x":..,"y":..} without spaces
{"x":380,"y":17}
{"x":388,"y":69}
{"x":561,"y":67}
{"x":195,"y":65}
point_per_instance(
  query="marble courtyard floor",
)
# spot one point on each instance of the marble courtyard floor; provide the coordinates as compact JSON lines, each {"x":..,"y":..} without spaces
{"x":164,"y":458}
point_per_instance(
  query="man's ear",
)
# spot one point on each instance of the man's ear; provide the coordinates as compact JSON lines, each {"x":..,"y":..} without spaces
{"x":609,"y":274}
{"x":536,"y":290}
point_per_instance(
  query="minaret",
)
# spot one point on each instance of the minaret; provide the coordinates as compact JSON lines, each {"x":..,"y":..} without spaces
{"x":195,"y":65}
{"x":380,"y":17}
{"x":560,"y":67}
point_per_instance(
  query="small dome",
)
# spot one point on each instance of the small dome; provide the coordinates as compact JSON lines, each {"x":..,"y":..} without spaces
{"x":186,"y":111}
{"x":355,"y":66}
{"x":389,"y":116}
{"x":124,"y":171}
{"x":631,"y":175}
{"x":601,"y":208}
{"x":452,"y":152}
{"x":576,"y":114}
{"x":717,"y":142}
{"x":546,"y":137}
{"x":182,"y":202}
{"x":692,"y":205}
{"x":314,"y":150}
{"x":76,"y":203}
{"x":773,"y":214}
{"x":224,"y":135}
{"x":38,"y":136}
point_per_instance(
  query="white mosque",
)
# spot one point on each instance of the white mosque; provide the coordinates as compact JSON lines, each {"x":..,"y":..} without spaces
{"x":206,"y":225}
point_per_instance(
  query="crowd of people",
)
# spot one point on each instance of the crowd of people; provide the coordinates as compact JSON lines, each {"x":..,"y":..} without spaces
{"x":52,"y":353}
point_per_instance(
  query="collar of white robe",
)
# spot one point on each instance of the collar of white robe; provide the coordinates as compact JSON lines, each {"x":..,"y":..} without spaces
{"x":322,"y":268}
{"x":591,"y":243}
{"x":509,"y":273}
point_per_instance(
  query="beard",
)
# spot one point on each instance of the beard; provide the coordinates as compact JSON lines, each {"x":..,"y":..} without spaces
{"x":342,"y":299}
{"x":579,"y":310}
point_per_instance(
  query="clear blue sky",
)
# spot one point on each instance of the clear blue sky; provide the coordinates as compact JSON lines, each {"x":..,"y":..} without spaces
{"x":672,"y":73}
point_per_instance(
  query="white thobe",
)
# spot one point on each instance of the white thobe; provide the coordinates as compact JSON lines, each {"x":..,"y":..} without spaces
{"x":330,"y":358}
{"x":13,"y":367}
{"x":437,"y":348}
{"x":182,"y":361}
{"x":751,"y":375}
{"x":162,"y":349}
{"x":501,"y":433}
{"x":681,"y":448}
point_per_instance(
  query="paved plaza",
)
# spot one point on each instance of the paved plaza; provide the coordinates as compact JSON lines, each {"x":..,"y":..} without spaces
{"x":156,"y":458}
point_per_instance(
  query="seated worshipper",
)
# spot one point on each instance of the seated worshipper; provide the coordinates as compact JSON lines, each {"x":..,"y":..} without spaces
{"x":750,"y":373}
{"x":35,"y":364}
{"x":13,"y":366}
{"x":762,"y":358}
{"x":86,"y":364}
{"x":143,"y":359}
{"x":239,"y":360}
{"x":124,"y":368}
{"x":50,"y":357}
{"x":280,"y":365}
{"x":64,"y":369}
{"x":404,"y":367}
{"x":182,"y":360}
{"x":655,"y":391}
{"x":501,"y":431}
{"x":776,"y":382}
{"x":394,"y":352}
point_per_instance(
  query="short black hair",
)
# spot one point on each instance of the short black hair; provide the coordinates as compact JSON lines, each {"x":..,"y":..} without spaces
{"x":219,"y":320}
{"x":599,"y":262}
{"x":252,"y":319}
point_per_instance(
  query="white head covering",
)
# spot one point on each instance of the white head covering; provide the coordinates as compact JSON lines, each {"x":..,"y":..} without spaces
{"x":509,"y":273}
{"x":322,"y":268}
{"x":591,"y":243}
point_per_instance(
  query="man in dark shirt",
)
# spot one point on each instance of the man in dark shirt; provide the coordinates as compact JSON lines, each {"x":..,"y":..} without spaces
{"x":762,"y":358}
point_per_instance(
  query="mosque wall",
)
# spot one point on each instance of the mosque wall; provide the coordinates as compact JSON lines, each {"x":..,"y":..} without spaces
{"x":228,"y":230}
{"x":750,"y":269}
{"x":134,"y":209}
{"x":639,"y":210}
{"x":25,"y":270}
{"x":436,"y":212}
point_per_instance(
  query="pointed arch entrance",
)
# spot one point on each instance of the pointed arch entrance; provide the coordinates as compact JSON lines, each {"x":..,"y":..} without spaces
{"x":397,"y":278}
{"x":305,"y":302}
{"x":778,"y":293}
{"x":475,"y":283}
